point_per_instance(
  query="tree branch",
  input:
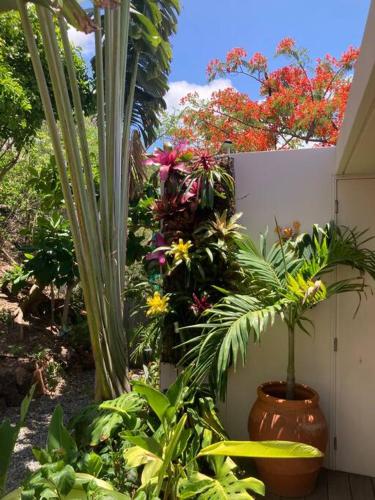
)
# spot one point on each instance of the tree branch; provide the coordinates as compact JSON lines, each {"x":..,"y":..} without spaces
{"x":9,"y":165}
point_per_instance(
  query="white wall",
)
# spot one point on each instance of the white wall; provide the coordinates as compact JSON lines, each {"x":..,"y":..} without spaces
{"x":291,"y":185}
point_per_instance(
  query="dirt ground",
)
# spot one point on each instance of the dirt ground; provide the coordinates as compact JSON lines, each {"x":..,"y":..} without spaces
{"x":21,"y":356}
{"x":20,"y":352}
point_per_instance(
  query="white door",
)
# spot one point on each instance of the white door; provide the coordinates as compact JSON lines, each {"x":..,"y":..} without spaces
{"x":355,"y":358}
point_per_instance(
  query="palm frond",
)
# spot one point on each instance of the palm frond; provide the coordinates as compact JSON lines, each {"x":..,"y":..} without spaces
{"x":335,"y":245}
{"x":267,"y":270}
{"x":226,"y":335}
{"x":284,"y":281}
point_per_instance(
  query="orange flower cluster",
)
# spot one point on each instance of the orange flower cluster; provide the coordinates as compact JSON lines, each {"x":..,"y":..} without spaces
{"x":295,"y":105}
{"x":288,"y":232}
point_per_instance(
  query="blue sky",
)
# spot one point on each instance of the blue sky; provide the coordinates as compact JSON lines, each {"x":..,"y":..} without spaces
{"x":209,"y":28}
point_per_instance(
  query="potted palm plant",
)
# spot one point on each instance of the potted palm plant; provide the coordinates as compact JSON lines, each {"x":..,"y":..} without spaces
{"x":284,"y":282}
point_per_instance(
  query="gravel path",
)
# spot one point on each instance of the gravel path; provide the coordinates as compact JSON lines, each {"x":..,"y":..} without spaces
{"x":72,"y":394}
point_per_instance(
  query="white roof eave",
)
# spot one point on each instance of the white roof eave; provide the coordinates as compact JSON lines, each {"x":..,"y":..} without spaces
{"x":356,"y":144}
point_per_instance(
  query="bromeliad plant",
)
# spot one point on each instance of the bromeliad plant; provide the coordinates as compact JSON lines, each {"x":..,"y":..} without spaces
{"x":286,"y":281}
{"x":197,"y":231}
{"x":147,"y":445}
{"x":98,"y":217}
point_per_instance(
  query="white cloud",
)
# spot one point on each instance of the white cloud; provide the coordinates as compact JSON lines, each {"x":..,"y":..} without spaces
{"x":179,"y":89}
{"x":85,"y":42}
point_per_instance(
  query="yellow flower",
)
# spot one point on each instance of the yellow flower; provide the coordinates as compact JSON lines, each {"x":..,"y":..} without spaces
{"x":157,"y":304}
{"x":180,"y":250}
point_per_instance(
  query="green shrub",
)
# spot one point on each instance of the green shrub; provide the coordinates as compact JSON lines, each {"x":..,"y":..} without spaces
{"x":147,"y":445}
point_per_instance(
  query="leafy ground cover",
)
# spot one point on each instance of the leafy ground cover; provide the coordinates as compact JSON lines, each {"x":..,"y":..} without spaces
{"x":147,"y":445}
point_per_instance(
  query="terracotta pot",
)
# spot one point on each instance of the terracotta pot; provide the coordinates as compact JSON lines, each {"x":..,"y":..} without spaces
{"x":301,"y":420}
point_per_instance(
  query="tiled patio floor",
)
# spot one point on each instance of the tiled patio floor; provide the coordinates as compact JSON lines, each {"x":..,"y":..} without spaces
{"x":340,"y":486}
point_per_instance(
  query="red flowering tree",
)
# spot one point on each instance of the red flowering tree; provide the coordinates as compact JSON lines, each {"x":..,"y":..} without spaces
{"x":300,"y":103}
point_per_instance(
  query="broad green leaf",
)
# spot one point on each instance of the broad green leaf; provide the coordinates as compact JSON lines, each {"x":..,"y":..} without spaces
{"x":65,"y":479}
{"x":176,"y":390}
{"x":171,"y":449}
{"x":93,"y":463}
{"x":224,"y":486}
{"x":253,"y":484}
{"x":156,"y":399}
{"x":151,"y":472}
{"x":25,"y":405}
{"x":13,"y":495}
{"x":102,"y":489}
{"x":41,"y":455}
{"x":182,"y":443}
{"x":59,"y":439}
{"x":103,"y":427}
{"x":136,"y":456}
{"x":83,"y":478}
{"x":194,"y":485}
{"x":125,"y":404}
{"x":8,"y":436}
{"x":262,"y":449}
{"x":150,"y":31}
{"x":109,"y":495}
{"x":147,"y":443}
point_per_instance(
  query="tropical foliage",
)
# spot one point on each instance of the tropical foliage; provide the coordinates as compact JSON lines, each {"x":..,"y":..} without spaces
{"x":296,"y":104}
{"x":153,"y":65}
{"x":148,"y":445}
{"x":99,"y":229}
{"x":285,"y":281}
{"x":21,"y":111}
{"x":193,"y":246}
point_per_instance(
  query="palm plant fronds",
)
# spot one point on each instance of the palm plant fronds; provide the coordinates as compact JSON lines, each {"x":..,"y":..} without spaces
{"x":153,"y":62}
{"x":154,"y":68}
{"x":225,"y":336}
{"x":285,"y":281}
{"x":335,"y":245}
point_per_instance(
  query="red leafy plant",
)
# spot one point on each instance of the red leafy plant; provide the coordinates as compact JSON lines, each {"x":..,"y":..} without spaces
{"x":195,"y":187}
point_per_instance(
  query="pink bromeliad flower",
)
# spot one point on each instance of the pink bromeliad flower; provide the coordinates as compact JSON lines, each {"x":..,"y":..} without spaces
{"x":169,"y":158}
{"x":192,"y":192}
{"x":157,"y":254}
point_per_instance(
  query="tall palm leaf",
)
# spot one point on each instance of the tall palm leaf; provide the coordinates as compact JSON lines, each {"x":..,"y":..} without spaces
{"x":153,"y":63}
{"x":154,"y":67}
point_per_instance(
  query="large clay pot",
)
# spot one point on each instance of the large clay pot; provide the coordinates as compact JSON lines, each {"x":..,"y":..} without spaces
{"x":274,"y":417}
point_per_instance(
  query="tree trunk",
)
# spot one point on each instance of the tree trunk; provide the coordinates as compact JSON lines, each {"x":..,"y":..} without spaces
{"x":291,"y":377}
